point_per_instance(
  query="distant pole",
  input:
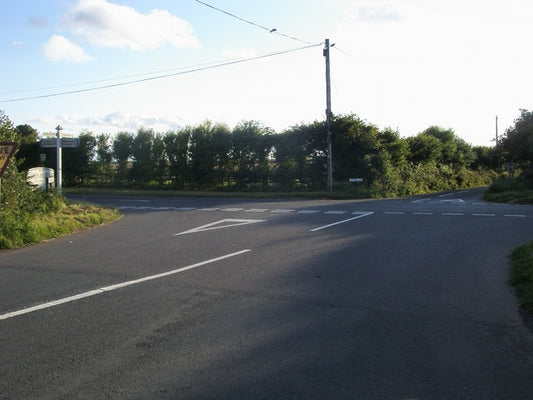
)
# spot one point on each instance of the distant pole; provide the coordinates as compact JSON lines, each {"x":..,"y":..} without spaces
{"x":58,"y":156}
{"x":329,"y":181}
{"x":496,"y":130}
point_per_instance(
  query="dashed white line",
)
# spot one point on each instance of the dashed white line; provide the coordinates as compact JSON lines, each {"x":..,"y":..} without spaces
{"x":515,"y":215}
{"x":282,"y":211}
{"x":256,"y":210}
{"x":484,"y":215}
{"x":115,"y":287}
{"x":394,"y":212}
{"x":335,"y":212}
{"x":309,"y":211}
{"x":231,"y":209}
{"x":423,"y":213}
{"x":450,"y":214}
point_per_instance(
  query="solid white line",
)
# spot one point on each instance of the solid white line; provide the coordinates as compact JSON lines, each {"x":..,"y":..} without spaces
{"x":115,"y":287}
{"x":341,"y":222}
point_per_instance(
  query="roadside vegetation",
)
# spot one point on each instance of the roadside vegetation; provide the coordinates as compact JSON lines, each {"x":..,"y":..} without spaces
{"x":251,"y":158}
{"x":29,"y":216}
{"x":521,"y":276}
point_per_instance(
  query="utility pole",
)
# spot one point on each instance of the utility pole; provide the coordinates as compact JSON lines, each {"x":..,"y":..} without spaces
{"x":58,"y":156}
{"x":496,"y":130}
{"x":329,"y":181}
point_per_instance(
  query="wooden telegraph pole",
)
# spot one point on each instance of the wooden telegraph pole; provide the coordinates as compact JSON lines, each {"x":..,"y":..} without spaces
{"x":329,"y":181}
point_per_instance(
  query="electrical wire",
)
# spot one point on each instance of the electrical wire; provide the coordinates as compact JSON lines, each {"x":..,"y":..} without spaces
{"x":222,"y":64}
{"x":270,"y":30}
{"x":114,"y":79}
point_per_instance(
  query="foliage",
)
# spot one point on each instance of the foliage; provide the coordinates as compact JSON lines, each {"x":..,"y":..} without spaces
{"x":20,"y":204}
{"x":516,"y":145}
{"x":521,"y":275}
{"x":251,"y":157}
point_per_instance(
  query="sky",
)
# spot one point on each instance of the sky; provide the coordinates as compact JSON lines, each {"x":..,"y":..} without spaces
{"x":106,"y":66}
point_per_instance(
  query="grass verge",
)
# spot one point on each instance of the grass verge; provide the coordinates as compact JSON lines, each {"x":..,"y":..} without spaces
{"x":511,"y":196}
{"x":68,"y":219}
{"x":521,"y":276}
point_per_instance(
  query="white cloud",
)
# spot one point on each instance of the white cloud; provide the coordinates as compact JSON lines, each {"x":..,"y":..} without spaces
{"x":105,"y":24}
{"x":113,"y":122}
{"x":376,"y":11}
{"x":59,"y":48}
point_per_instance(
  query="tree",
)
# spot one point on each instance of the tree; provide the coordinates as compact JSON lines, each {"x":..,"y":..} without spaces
{"x":121,"y":153}
{"x":104,"y":158}
{"x":177,"y":148}
{"x":29,"y":149}
{"x":424,"y":149}
{"x":78,"y":165}
{"x":517,"y":143}
{"x":209,"y":154}
{"x":300,"y":154}
{"x":142,"y":170}
{"x":251,"y":145}
{"x":354,"y":142}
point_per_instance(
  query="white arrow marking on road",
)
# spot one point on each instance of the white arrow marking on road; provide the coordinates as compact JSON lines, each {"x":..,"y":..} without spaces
{"x":225,"y":223}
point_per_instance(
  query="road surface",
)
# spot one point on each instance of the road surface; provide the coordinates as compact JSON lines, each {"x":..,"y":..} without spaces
{"x":202,"y":299}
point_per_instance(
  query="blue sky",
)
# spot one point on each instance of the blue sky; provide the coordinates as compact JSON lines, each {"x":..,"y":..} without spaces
{"x":404,"y":64}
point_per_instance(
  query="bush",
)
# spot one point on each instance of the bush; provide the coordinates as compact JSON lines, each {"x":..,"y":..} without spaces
{"x":507,"y":184}
{"x":521,"y":276}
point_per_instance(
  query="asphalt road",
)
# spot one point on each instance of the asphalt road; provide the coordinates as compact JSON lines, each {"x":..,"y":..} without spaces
{"x":202,"y":299}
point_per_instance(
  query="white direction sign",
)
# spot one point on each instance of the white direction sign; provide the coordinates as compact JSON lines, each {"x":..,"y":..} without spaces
{"x":224,"y":223}
{"x":65,"y":142}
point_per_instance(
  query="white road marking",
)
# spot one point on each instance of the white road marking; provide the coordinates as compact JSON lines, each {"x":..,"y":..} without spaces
{"x":115,"y":287}
{"x":394,"y":212}
{"x":515,"y":215}
{"x":256,"y":210}
{"x":230,"y":209}
{"x":421,"y":200}
{"x":282,"y":211}
{"x":452,"y":214}
{"x":336,"y":212}
{"x":224,"y":223}
{"x":484,"y":215}
{"x":341,"y":222}
{"x":423,"y":213}
{"x":309,"y":211}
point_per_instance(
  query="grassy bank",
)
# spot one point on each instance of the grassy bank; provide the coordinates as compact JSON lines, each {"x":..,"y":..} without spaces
{"x":25,"y":229}
{"x":521,"y":276}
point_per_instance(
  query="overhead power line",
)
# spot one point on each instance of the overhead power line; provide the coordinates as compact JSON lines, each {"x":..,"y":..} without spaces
{"x":270,"y":30}
{"x":222,"y":64}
